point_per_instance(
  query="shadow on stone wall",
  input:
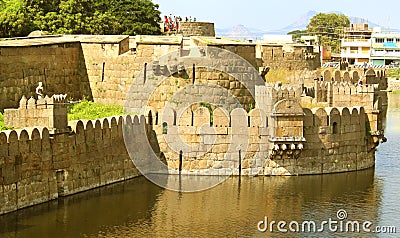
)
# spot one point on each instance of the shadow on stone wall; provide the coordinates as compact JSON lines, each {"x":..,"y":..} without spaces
{"x":59,"y":66}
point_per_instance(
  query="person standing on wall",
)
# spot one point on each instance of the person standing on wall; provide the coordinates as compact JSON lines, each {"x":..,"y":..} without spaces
{"x":166,"y":23}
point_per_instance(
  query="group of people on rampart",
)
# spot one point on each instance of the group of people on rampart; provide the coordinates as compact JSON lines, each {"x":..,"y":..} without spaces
{"x":172,"y":23}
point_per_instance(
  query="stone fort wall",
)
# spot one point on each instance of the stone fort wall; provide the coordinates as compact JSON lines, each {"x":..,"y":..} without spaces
{"x":60,"y":66}
{"x":340,"y":89}
{"x":282,"y":138}
{"x":46,"y":112}
{"x":318,"y":141}
{"x":197,"y":29}
{"x":394,"y":84}
{"x":37,"y":166}
{"x":279,"y":137}
{"x":101,"y":68}
{"x":290,"y":57}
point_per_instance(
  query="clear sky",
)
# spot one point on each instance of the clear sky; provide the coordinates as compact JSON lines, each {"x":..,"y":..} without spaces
{"x":272,"y":15}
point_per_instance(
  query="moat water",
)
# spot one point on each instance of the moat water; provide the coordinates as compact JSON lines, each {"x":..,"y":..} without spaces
{"x":138,"y":208}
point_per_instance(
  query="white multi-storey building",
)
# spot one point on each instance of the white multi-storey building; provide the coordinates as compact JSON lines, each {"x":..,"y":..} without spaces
{"x":356,"y":44}
{"x":385,"y":48}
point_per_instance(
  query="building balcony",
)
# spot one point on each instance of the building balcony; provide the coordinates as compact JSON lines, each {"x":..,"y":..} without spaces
{"x":386,"y":45}
{"x":360,"y":54}
{"x":356,"y":43}
{"x":385,"y":54}
{"x":354,"y":55}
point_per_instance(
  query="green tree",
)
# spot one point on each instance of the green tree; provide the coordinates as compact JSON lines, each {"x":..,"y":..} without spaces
{"x":328,"y":28}
{"x":136,"y":16}
{"x":296,"y":34}
{"x":19,"y":17}
{"x":14,"y":21}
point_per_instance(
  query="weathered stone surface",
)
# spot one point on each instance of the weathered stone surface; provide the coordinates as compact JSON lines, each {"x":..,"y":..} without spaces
{"x":271,"y":130}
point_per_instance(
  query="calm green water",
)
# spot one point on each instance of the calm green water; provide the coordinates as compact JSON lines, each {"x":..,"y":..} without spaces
{"x":232,"y":209}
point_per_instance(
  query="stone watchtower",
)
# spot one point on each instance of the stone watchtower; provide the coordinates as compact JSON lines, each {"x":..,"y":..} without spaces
{"x":49,"y":112}
{"x":197,"y":29}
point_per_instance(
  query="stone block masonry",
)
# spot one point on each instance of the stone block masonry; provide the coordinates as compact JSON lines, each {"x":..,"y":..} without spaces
{"x":290,"y":56}
{"x":37,"y":166}
{"x":103,"y":68}
{"x":290,"y":141}
{"x":366,"y":89}
{"x":60,"y":66}
{"x":394,"y":84}
{"x":197,"y":29}
{"x":333,"y":126}
{"x":49,"y":112}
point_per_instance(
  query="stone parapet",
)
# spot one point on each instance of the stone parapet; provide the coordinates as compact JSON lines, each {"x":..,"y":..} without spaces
{"x":197,"y":29}
{"x":37,"y":167}
{"x":50,"y":112}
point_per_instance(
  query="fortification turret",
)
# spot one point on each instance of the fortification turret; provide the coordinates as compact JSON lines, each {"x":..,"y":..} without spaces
{"x":49,"y":112}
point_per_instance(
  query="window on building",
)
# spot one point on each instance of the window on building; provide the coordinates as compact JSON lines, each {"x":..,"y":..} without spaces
{"x":353,"y":50}
{"x":390,"y":40}
{"x":379,"y":40}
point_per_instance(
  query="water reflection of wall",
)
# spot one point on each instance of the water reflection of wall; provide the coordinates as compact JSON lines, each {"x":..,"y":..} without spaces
{"x":85,"y":213}
{"x":233,"y":209}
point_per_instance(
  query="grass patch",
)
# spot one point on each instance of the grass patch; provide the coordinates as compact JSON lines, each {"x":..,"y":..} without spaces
{"x":88,"y":110}
{"x":395,"y":92}
{"x":393,"y":73}
{"x":2,"y":127}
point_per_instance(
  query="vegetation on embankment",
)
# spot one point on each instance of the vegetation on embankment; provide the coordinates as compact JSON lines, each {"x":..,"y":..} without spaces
{"x":2,"y":127}
{"x":91,"y":110}
{"x":393,"y":73}
{"x":1,"y":121}
{"x":286,"y":76}
{"x":395,"y":92}
{"x":86,"y":110}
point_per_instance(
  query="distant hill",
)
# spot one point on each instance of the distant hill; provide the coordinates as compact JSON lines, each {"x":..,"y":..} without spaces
{"x":240,"y":32}
{"x":243,"y":32}
{"x":302,"y":22}
{"x":299,"y":24}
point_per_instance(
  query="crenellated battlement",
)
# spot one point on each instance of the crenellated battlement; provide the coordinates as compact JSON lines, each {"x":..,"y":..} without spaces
{"x":284,"y":133}
{"x":362,"y":77}
{"x":267,"y":96}
{"x":93,"y":154}
{"x":50,"y":112}
{"x":218,"y":120}
{"x":367,"y":89}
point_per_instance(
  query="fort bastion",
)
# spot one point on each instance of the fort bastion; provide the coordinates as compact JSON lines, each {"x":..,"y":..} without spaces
{"x":330,"y":123}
